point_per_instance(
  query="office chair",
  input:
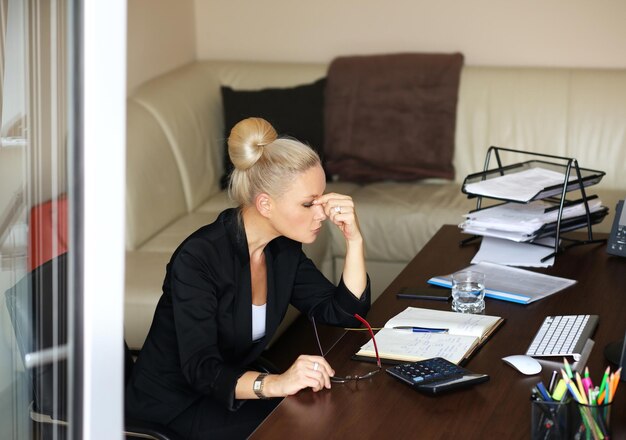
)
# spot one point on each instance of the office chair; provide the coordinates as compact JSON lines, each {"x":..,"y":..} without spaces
{"x":38,"y":309}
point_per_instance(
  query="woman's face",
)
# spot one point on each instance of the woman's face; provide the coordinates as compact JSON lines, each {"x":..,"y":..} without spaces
{"x":294,"y":215}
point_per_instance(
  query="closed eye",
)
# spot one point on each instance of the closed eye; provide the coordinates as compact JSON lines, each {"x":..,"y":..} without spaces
{"x":307,"y":204}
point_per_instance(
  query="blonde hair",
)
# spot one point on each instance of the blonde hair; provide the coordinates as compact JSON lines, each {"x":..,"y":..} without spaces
{"x":263,"y":162}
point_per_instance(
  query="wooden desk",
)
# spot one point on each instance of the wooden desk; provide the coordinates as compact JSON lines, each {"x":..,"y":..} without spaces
{"x":382,"y":407}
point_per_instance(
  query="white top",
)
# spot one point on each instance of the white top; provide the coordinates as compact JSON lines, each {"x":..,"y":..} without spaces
{"x":258,"y":321}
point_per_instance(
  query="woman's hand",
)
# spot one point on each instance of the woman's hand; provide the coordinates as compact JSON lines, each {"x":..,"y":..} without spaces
{"x":306,"y":372}
{"x":339,"y":209}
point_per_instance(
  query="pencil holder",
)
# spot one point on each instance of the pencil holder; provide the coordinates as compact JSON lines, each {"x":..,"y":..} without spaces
{"x":591,"y":422}
{"x":553,"y":420}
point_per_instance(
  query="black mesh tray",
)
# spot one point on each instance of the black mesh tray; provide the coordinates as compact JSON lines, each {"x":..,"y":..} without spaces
{"x":572,"y":223}
{"x":588,"y":177}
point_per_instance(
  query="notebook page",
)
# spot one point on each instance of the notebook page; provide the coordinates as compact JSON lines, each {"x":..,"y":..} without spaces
{"x":457,"y":323}
{"x":408,"y":346}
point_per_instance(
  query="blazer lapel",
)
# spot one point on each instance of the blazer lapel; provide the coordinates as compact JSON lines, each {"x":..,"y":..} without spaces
{"x":242,"y":313}
{"x":281,"y":261}
{"x":278,"y":260}
{"x":272,"y":314}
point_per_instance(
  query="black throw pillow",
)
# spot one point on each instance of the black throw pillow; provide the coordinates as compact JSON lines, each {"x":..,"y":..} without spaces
{"x":295,"y":112}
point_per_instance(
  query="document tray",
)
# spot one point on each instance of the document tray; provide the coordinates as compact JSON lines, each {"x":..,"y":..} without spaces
{"x":588,"y":177}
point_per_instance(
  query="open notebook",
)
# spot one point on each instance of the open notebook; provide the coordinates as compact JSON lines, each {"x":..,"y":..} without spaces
{"x":465,"y":332}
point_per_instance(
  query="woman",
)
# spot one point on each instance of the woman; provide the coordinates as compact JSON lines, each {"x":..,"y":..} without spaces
{"x":229,"y":284}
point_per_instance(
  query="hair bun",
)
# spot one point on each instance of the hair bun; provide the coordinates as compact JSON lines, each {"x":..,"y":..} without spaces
{"x":247,"y":139}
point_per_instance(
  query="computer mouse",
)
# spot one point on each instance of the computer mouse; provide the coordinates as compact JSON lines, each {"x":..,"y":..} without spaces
{"x":524,"y":364}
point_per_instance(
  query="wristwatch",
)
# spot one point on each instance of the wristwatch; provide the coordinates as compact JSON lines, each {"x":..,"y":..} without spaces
{"x":257,"y":386}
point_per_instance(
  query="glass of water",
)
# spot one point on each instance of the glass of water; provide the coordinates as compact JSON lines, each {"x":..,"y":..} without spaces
{"x":468,"y":292}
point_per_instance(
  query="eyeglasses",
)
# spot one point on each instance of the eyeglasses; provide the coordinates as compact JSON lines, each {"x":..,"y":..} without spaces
{"x":337,"y":379}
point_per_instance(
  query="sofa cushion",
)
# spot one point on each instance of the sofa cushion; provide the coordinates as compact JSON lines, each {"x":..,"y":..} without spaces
{"x":391,"y":117}
{"x":293,"y":111}
{"x":154,"y":191}
{"x":173,"y":235}
{"x":145,"y":272}
{"x":186,"y":105}
{"x":217,"y":203}
{"x":517,"y":108}
{"x":596,"y":135}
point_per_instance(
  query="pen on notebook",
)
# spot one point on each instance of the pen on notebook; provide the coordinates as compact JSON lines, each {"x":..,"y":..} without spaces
{"x":421,"y":329}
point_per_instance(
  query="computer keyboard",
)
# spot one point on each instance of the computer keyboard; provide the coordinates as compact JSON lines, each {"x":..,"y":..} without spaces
{"x":563,"y":335}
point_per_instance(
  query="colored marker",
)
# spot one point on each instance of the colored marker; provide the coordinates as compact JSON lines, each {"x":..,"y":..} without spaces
{"x":581,"y":388}
{"x":614,"y":383}
{"x":607,"y":391}
{"x":559,"y":390}
{"x":567,"y":368}
{"x":603,"y":385}
{"x":587,"y":383}
{"x":571,"y":386}
{"x":573,"y":391}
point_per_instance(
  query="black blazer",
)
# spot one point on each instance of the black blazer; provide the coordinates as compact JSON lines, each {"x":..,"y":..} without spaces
{"x":200,"y":341}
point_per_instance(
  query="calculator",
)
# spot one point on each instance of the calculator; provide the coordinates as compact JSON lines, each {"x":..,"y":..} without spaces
{"x":435,"y":375}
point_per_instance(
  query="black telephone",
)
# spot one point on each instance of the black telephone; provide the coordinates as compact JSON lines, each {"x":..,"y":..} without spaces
{"x":617,"y":240}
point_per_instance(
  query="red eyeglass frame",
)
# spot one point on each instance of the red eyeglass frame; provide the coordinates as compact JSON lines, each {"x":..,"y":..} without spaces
{"x":338,"y":379}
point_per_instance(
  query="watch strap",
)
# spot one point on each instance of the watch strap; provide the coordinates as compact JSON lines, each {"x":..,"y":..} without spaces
{"x":257,"y":386}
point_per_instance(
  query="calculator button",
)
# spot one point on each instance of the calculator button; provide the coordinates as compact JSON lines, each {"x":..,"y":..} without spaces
{"x":428,"y":370}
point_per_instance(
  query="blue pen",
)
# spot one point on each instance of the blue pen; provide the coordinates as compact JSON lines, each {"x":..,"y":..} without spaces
{"x":421,"y":329}
{"x":544,"y":393}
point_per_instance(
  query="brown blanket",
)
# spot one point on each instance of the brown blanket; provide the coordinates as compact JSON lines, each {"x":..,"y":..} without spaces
{"x":391,"y":117}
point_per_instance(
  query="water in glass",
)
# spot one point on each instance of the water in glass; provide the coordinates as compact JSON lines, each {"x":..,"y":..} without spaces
{"x":468,"y":292}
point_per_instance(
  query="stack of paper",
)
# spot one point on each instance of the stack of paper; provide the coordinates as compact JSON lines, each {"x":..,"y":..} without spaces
{"x":512,"y":284}
{"x":522,"y":222}
{"x":522,"y":186}
{"x":510,"y":253}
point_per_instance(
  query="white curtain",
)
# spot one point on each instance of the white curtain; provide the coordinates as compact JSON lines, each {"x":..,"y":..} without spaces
{"x":4,"y":9}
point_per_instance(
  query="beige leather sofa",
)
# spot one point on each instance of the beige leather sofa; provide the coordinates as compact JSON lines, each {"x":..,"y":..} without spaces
{"x":175,"y":145}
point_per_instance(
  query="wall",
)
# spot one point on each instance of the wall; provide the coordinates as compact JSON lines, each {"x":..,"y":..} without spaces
{"x":161,"y":37}
{"x":574,"y":33}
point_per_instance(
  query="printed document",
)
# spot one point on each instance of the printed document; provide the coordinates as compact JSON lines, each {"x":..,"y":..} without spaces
{"x":521,"y":186}
{"x":512,"y":284}
{"x":526,"y":218}
{"x":510,"y":253}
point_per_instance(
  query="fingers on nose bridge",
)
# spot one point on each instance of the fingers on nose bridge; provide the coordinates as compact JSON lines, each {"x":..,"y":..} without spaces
{"x":320,"y":211}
